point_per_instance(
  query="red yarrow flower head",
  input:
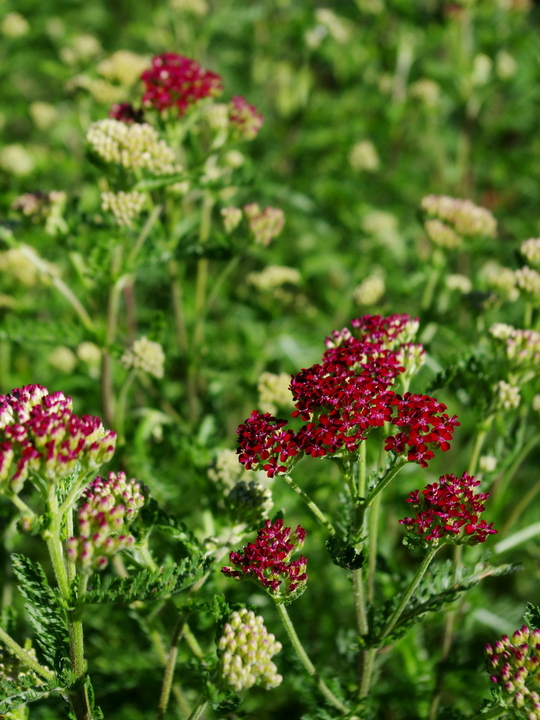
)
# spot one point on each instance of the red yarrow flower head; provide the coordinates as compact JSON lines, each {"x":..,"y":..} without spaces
{"x":448,"y":512}
{"x":267,"y":561}
{"x":39,"y":432}
{"x":244,"y":118}
{"x":177,"y":81}
{"x":126,"y":113}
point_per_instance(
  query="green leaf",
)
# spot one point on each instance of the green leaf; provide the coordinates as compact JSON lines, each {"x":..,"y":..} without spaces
{"x":532,"y":616}
{"x":44,"y":611}
{"x":23,"y":690}
{"x":344,"y":554}
{"x":152,"y":516}
{"x":222,"y":699}
{"x":149,"y":584}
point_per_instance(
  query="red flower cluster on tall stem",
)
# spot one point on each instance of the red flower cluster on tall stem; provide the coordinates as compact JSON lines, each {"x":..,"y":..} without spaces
{"x":268,"y":562}
{"x":342,"y":399}
{"x":449,"y":510}
{"x":177,"y":81}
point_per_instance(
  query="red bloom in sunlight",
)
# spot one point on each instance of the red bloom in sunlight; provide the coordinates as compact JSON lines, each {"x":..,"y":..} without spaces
{"x":177,"y":81}
{"x":449,"y":510}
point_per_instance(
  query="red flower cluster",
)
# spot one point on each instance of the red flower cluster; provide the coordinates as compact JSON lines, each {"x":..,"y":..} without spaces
{"x":449,"y":510}
{"x":40,"y":432}
{"x":344,"y":398}
{"x":177,"y":81}
{"x":126,"y":113}
{"x":245,"y":117}
{"x":267,"y":561}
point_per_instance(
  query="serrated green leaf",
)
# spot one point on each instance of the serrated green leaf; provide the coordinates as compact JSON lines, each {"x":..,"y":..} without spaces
{"x":152,"y":516}
{"x":343,"y":554}
{"x":44,"y":611}
{"x":222,"y":699}
{"x":149,"y":584}
{"x":23,"y":690}
{"x":532,"y":616}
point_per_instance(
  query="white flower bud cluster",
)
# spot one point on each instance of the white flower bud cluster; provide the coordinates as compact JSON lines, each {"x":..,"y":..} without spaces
{"x":246,"y":649}
{"x":264,"y":224}
{"x":217,"y":116}
{"x":363,"y":156}
{"x":501,"y":331}
{"x":16,"y":159}
{"x":487,"y":463}
{"x":101,"y":90}
{"x":427,"y":91}
{"x":232,"y":217}
{"x":124,"y":67}
{"x":407,"y":334}
{"x":250,"y":502}
{"x":463,"y":216}
{"x":370,"y":290}
{"x":14,"y":25}
{"x":507,"y":396}
{"x":15,"y":264}
{"x":273,"y":277}
{"x":442,"y":234}
{"x":274,"y":392}
{"x":226,"y":470}
{"x":411,"y":357}
{"x":531,"y":250}
{"x":500,"y":279}
{"x":44,"y":115}
{"x":134,"y":146}
{"x":125,"y":206}
{"x":528,"y":280}
{"x":522,"y":349}
{"x":461,"y":283}
{"x":145,"y":355}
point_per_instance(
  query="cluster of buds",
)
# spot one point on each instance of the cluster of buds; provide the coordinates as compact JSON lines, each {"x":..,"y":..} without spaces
{"x":123,"y":67}
{"x":522,"y":350}
{"x":14,"y":263}
{"x":514,"y":666}
{"x":528,"y":281}
{"x":370,"y":291}
{"x":273,"y":277}
{"x":246,"y":649}
{"x":346,"y":396}
{"x":135,"y":146}
{"x":274,"y":392}
{"x":225,"y":471}
{"x":125,"y":206}
{"x":232,"y":217}
{"x":145,"y":355}
{"x":267,"y":561}
{"x":507,"y":397}
{"x":34,"y":205}
{"x":448,"y":512}
{"x":109,"y":507}
{"x":40,"y":433}
{"x":500,"y":279}
{"x":265,"y":225}
{"x":450,"y":219}
{"x":177,"y":81}
{"x":250,"y":502}
{"x":244,"y":118}
{"x":410,"y":356}
{"x":531,"y":250}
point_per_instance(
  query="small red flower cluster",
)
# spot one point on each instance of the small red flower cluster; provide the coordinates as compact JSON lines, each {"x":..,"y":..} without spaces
{"x":177,"y":81}
{"x":345,"y":397}
{"x":40,"y":432}
{"x":126,"y":113}
{"x":449,"y":510}
{"x":245,"y":117}
{"x":267,"y":561}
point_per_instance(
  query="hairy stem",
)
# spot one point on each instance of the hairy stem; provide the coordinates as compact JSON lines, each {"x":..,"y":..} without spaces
{"x":199,"y":709}
{"x":24,"y":657}
{"x":321,"y":517}
{"x":387,"y":479}
{"x":306,"y":662}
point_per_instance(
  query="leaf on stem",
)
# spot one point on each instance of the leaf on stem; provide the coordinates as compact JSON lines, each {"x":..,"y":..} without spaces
{"x":343,"y":554}
{"x":23,"y":690}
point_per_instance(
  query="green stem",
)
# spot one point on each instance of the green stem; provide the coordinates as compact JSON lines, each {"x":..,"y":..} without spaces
{"x":359,"y":602}
{"x":22,"y":507}
{"x":373,"y":531}
{"x":145,"y":232}
{"x":429,"y":290}
{"x":409,"y":592}
{"x":368,"y":660}
{"x":500,"y":487}
{"x":178,"y":308}
{"x":199,"y":709}
{"x":121,"y":405}
{"x":306,"y":662}
{"x":170,"y":665}
{"x":387,"y":479}
{"x":107,"y":389}
{"x":24,"y":657}
{"x":527,"y":320}
{"x":491,"y":715}
{"x":478,"y":443}
{"x":522,"y":505}
{"x":321,"y":517}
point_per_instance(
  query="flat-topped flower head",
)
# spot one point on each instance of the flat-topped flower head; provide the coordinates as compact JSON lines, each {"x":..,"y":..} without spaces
{"x":246,"y":649}
{"x":244,"y":118}
{"x":461,"y":216}
{"x":448,"y":511}
{"x":39,"y":432}
{"x":267,"y":561}
{"x":265,"y":225}
{"x":175,"y":81}
{"x":514,"y":666}
{"x":109,"y":506}
{"x":531,"y":250}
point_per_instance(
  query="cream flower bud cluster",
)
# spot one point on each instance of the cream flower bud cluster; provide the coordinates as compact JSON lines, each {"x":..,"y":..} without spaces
{"x":264,"y":224}
{"x":523,"y":348}
{"x":232,"y":217}
{"x":442,"y":235}
{"x":246,"y":649}
{"x":406,"y":335}
{"x":528,"y":280}
{"x":16,"y":265}
{"x":370,"y":291}
{"x":501,"y":331}
{"x":109,"y":507}
{"x":250,"y":502}
{"x":514,"y":664}
{"x":461,"y":283}
{"x":145,"y":355}
{"x":123,"y":66}
{"x":274,"y":392}
{"x":531,"y":250}
{"x":363,"y":156}
{"x":273,"y":277}
{"x":226,"y":470}
{"x":463,"y":216}
{"x":507,"y":396}
{"x":411,"y":357}
{"x":500,"y":279}
{"x":134,"y":146}
{"x":125,"y":206}
{"x":487,"y":463}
